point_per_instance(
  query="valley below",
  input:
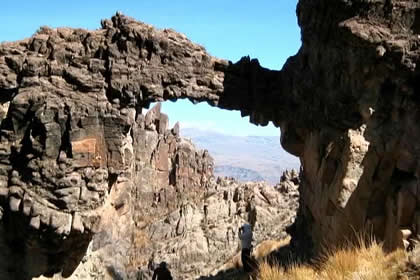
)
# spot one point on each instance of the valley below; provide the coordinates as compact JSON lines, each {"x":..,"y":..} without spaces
{"x":245,"y":158}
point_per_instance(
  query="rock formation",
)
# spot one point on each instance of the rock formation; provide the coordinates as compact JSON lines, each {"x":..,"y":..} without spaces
{"x":175,"y":211}
{"x":353,"y":87}
{"x":346,"y":105}
{"x":70,"y":152}
{"x":204,"y":236}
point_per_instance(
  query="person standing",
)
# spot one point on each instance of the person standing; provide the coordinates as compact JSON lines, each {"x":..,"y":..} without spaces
{"x":245,"y":235}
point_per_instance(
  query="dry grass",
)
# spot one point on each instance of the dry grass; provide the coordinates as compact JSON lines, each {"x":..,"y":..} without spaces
{"x":266,"y":247}
{"x":260,"y":251}
{"x":361,"y":262}
{"x":139,"y":241}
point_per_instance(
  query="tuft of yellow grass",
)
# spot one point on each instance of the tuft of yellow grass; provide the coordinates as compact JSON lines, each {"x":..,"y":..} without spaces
{"x":139,"y":241}
{"x":303,"y":272}
{"x":261,"y":250}
{"x":268,"y":246}
{"x":365,"y":261}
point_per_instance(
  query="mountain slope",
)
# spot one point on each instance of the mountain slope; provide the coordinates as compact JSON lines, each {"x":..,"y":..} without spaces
{"x":234,"y":155}
{"x":239,"y":173}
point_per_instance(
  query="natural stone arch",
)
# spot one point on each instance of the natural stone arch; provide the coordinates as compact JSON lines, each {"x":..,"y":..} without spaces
{"x":346,"y":104}
{"x":74,"y":127}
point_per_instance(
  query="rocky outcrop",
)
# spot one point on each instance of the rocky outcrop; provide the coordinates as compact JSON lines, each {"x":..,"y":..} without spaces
{"x":73,"y":139}
{"x":198,"y":239}
{"x":166,"y":173}
{"x":346,"y":105}
{"x":239,"y":173}
{"x":174,"y":210}
{"x":355,"y":84}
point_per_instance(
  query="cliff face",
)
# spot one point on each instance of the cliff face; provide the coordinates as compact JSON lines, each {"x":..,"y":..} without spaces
{"x":346,"y":104}
{"x":355,"y":87}
{"x":197,"y":238}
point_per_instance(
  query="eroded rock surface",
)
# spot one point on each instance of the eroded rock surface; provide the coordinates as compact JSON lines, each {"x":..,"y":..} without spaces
{"x":197,"y":238}
{"x":355,"y":84}
{"x":174,"y":210}
{"x":203,"y":236}
{"x":74,"y":136}
{"x":346,"y":104}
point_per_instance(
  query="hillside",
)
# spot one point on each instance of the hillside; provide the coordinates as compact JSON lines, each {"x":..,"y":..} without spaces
{"x":244,"y":157}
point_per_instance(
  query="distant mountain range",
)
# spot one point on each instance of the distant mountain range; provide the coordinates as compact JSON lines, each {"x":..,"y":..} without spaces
{"x":240,"y":173}
{"x":246,"y":158}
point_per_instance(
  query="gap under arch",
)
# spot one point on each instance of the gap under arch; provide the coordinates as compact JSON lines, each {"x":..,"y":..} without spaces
{"x":240,"y":149}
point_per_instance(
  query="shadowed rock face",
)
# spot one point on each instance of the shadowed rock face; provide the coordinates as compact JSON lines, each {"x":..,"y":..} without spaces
{"x":356,"y":77}
{"x":346,"y":104}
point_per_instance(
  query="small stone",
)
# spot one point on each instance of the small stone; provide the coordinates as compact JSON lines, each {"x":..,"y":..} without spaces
{"x":61,"y":222}
{"x":36,"y":209}
{"x":4,"y":193}
{"x":35,"y":222}
{"x":62,"y":157}
{"x":175,"y":129}
{"x":406,"y":244}
{"x":77,"y":225}
{"x":405,"y":233}
{"x":380,"y":51}
{"x":27,"y":205}
{"x":14,"y":204}
{"x":16,"y":191}
{"x":45,"y":218}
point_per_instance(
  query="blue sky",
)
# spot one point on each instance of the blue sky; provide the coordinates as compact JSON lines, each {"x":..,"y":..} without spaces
{"x":264,"y":29}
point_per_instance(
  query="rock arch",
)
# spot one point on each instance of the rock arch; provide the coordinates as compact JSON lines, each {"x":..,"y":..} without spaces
{"x":346,"y":105}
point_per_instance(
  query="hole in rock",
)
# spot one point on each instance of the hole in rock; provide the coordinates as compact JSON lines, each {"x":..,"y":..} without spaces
{"x":240,"y":149}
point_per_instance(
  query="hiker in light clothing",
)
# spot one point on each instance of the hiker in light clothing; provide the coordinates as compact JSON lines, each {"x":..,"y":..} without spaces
{"x":245,"y":235}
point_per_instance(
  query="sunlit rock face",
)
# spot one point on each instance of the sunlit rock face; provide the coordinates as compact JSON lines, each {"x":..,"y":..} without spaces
{"x":172,"y":209}
{"x":70,"y":144}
